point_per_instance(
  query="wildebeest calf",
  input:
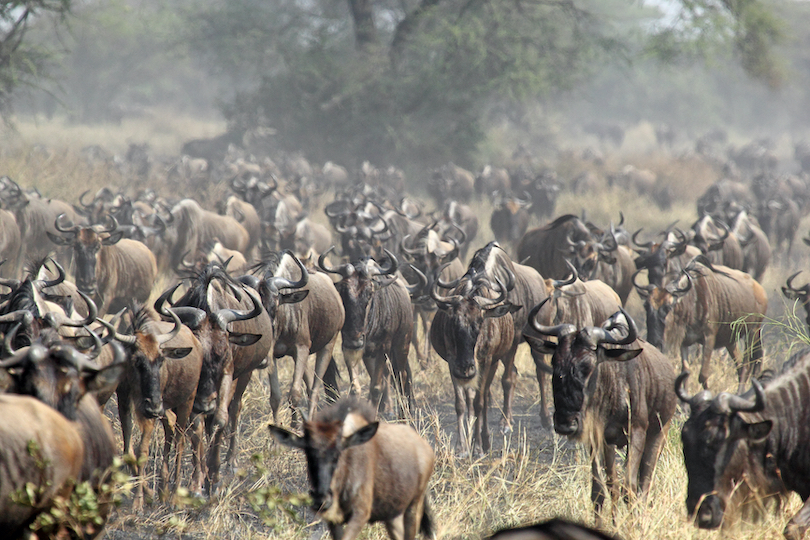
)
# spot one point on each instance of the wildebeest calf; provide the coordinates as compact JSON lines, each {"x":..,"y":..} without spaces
{"x":362,"y":471}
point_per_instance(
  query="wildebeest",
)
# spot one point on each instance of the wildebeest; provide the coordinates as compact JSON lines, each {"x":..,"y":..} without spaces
{"x":714,"y":239}
{"x":110,"y":269}
{"x":553,"y":529}
{"x":802,"y":294}
{"x":756,"y":249}
{"x":735,"y":446}
{"x":212,"y":302}
{"x":510,"y":217}
{"x":378,"y":325}
{"x":163,"y":370}
{"x":196,"y":227}
{"x":581,"y":303}
{"x":57,"y":375}
{"x":362,"y":471}
{"x":545,"y":248}
{"x":451,"y":182}
{"x":307,"y":315}
{"x":480,"y":324}
{"x":714,"y":306}
{"x":10,"y":244}
{"x":610,"y":397}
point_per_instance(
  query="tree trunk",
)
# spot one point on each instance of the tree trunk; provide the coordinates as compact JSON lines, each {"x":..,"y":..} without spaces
{"x":365,"y":34}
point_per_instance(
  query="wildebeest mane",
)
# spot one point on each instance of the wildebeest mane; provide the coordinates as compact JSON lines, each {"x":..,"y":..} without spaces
{"x":197,"y":293}
{"x":559,"y":221}
{"x":338,"y":411}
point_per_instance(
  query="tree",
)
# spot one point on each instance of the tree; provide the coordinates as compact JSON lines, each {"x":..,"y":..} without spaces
{"x":21,"y":62}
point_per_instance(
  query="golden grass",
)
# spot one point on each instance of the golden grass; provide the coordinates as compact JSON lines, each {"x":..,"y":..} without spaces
{"x":530,"y":475}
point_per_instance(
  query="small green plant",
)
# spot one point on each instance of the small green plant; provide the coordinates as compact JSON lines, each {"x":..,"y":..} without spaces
{"x":269,"y":500}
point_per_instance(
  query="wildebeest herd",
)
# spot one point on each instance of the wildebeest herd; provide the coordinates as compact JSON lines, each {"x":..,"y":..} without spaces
{"x":270,"y":276}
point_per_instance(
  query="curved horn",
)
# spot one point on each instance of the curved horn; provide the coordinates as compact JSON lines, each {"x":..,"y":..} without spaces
{"x":463,"y":238}
{"x":420,"y":284}
{"x":163,"y":298}
{"x":97,"y":344}
{"x":81,"y":200}
{"x":72,"y":231}
{"x":603,"y":335}
{"x":502,"y":291}
{"x":558,"y":331}
{"x":392,"y":266}
{"x":282,"y":283}
{"x":123,"y":338}
{"x":443,"y":301}
{"x":8,"y":342}
{"x":59,"y":278}
{"x":224,"y":317}
{"x":343,"y":270}
{"x":446,"y":285}
{"x":642,"y":290}
{"x":680,"y":291}
{"x":792,"y":292}
{"x":560,"y":283}
{"x":113,"y":224}
{"x":163,"y":338}
{"x":404,"y":249}
{"x":647,"y":245}
{"x":59,"y":319}
{"x":740,"y":404}
{"x":694,"y":401}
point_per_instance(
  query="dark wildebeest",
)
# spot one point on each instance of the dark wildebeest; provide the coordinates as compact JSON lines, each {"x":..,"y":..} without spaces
{"x":510,"y":217}
{"x":714,"y":306}
{"x":492,"y":179}
{"x":801,"y":294}
{"x":735,"y":446}
{"x":545,"y":248}
{"x":451,"y":182}
{"x":110,"y":269}
{"x":212,"y":302}
{"x":362,"y":471}
{"x":461,"y":218}
{"x":480,"y":324}
{"x":553,"y":529}
{"x":664,"y":259}
{"x":196,"y":227}
{"x":609,"y":398}
{"x":606,"y":261}
{"x":59,"y":376}
{"x":306,"y":320}
{"x":779,"y":218}
{"x":163,"y":370}
{"x":715,"y":240}
{"x":378,"y":325}
{"x":428,"y":253}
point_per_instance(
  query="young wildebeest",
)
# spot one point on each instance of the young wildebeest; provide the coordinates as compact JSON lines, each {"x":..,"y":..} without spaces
{"x":609,"y":398}
{"x":734,"y":446}
{"x":362,"y":471}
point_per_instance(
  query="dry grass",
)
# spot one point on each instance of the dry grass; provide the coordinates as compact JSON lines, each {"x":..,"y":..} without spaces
{"x":530,"y":475}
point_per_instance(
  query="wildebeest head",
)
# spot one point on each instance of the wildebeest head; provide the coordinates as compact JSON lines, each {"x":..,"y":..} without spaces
{"x":57,"y":374}
{"x":86,"y":243}
{"x":802,"y":294}
{"x":148,"y":349}
{"x":717,"y":445}
{"x":346,"y":424}
{"x":575,"y":357}
{"x":471,"y":303}
{"x":271,"y":285}
{"x":659,"y":302}
{"x":360,"y":280}
{"x":655,"y":257}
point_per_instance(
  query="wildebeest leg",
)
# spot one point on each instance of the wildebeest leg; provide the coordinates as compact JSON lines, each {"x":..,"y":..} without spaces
{"x":460,"y":393}
{"x":142,"y":454}
{"x":705,"y":368}
{"x":417,"y":316}
{"x":541,"y":369}
{"x":403,"y":375}
{"x":652,"y":450}
{"x":377,"y":370}
{"x":636,"y":446}
{"x":180,"y":433}
{"x":300,"y":356}
{"x":330,"y":377}
{"x":125,"y":414}
{"x":508,"y":383}
{"x":169,"y":422}
{"x":234,"y":411}
{"x":481,"y":404}
{"x":336,"y":530}
{"x":611,"y":482}
{"x":396,"y":528}
{"x":197,"y":465}
{"x":275,"y":387}
{"x":351,"y":357}
{"x":213,"y":461}
{"x":597,"y":484}
{"x":799,"y":523}
{"x":323,"y":360}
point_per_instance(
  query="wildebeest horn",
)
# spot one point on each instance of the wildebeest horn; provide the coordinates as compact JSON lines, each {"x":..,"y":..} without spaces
{"x":676,"y":291}
{"x":502,"y":291}
{"x":603,"y":335}
{"x":224,"y":317}
{"x":443,"y":301}
{"x":642,"y":290}
{"x":343,"y":270}
{"x":163,"y":338}
{"x":59,"y":278}
{"x":560,"y":283}
{"x":647,"y":245}
{"x":81,"y":361}
{"x":463,"y":238}
{"x":737,"y":403}
{"x":8,"y":342}
{"x":123,"y":338}
{"x":420,"y":284}
{"x":12,"y":284}
{"x":446,"y":285}
{"x":282,"y":283}
{"x":81,"y":200}
{"x":392,"y":266}
{"x":560,"y":330}
{"x":166,"y":296}
{"x":72,"y":231}
{"x":112,"y":226}
{"x":57,"y":319}
{"x":384,"y":229}
{"x":97,"y":344}
{"x":621,"y":218}
{"x":793,"y":293}
{"x":404,"y":249}
{"x":694,"y":401}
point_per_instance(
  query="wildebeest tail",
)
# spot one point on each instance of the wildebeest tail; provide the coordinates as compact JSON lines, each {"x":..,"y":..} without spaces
{"x":426,"y":526}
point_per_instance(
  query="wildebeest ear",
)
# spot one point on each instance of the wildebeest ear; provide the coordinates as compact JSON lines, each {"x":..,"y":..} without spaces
{"x":293,"y":297}
{"x":755,"y":432}
{"x":243,"y":340}
{"x":362,"y":435}
{"x":58,"y":240}
{"x":287,"y":438}
{"x":501,"y":310}
{"x":176,"y":352}
{"x":113,"y":238}
{"x":617,"y":355}
{"x":105,"y":379}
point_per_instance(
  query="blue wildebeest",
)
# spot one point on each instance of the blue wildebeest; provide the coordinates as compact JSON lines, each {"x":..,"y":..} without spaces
{"x":609,"y":395}
{"x":362,"y":471}
{"x":737,"y":446}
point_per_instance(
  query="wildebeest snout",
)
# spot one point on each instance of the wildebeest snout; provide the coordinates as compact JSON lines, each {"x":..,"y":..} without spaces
{"x":710,"y":513}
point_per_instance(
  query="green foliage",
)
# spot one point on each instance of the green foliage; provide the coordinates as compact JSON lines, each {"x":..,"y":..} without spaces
{"x":269,"y":501}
